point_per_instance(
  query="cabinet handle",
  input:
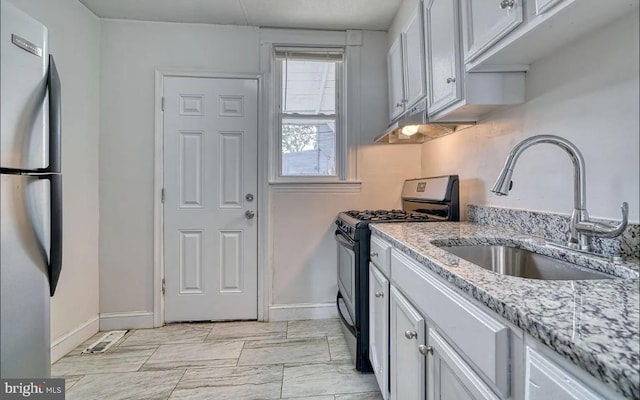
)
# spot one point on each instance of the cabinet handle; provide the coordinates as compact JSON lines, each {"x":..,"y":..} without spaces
{"x":373,"y":254}
{"x":451,"y":80}
{"x":411,"y":334}
{"x":398,"y":105}
{"x":379,"y":294}
{"x":507,"y":4}
{"x":425,"y":350}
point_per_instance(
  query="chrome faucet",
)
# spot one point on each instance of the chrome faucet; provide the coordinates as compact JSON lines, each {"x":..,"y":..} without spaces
{"x":581,"y":228}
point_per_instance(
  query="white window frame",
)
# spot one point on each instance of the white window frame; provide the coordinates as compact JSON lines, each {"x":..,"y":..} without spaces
{"x":337,"y":116}
{"x":348,"y":123}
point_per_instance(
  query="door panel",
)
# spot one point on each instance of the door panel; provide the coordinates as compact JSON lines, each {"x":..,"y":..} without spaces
{"x":407,"y":331}
{"x":210,"y":165}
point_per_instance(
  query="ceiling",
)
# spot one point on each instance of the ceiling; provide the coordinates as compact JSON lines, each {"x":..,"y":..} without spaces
{"x":310,"y":14}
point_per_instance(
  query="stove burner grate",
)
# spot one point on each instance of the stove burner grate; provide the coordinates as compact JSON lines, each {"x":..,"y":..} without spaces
{"x":387,"y":215}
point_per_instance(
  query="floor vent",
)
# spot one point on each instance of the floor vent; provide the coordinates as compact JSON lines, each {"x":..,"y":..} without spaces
{"x":107,"y":340}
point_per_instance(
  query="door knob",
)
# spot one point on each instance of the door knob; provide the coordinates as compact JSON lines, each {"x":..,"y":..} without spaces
{"x":411,"y":334}
{"x":249,"y":214}
{"x":507,"y":4}
{"x":379,"y":294}
{"x":425,"y":350}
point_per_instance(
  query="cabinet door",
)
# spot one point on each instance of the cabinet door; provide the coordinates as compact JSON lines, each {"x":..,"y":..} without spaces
{"x":485,"y":22}
{"x":396,"y":79}
{"x":379,"y":328}
{"x":414,"y":59}
{"x":544,"y":380}
{"x":449,"y":377}
{"x":407,"y":364}
{"x":443,"y":53}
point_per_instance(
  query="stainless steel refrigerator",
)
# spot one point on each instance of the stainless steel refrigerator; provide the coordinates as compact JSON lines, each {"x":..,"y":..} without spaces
{"x":30,"y":194}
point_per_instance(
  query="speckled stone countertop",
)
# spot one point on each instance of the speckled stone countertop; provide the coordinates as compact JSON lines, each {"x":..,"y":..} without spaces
{"x":595,"y":323}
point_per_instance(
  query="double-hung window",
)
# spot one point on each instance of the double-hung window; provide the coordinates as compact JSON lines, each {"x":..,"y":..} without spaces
{"x":310,"y":121}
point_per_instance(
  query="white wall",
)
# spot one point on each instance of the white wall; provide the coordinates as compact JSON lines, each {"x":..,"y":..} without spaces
{"x":74,"y":34}
{"x":586,"y":92}
{"x":303,"y":250}
{"x":131,"y":51}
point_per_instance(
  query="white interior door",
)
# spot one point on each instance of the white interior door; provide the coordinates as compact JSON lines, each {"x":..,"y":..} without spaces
{"x":210,"y":183}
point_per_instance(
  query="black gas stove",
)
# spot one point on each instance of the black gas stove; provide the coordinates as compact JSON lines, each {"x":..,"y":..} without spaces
{"x":423,"y":200}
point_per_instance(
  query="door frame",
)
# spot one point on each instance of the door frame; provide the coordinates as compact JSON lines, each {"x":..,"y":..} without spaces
{"x":158,"y":180}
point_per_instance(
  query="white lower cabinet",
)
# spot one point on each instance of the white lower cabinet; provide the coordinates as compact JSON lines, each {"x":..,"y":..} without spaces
{"x":448,"y":376}
{"x":406,"y":330}
{"x":442,"y":346}
{"x":379,"y":328}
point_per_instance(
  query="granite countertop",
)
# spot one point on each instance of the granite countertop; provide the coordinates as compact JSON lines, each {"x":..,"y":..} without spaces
{"x":595,"y":323}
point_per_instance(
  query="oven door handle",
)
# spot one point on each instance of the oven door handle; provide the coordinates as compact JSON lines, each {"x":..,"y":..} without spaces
{"x":350,"y":327}
{"x":344,"y":240}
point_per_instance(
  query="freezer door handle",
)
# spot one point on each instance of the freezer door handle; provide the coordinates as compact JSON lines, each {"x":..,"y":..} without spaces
{"x":55,"y":117}
{"x":55,"y":251}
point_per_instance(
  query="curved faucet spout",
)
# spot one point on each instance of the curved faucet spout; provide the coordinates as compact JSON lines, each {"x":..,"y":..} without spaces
{"x":503,"y":183}
{"x":581,"y":228}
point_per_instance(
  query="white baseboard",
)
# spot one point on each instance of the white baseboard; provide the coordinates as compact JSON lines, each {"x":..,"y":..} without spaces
{"x":129,"y":320}
{"x":292,"y":312}
{"x":73,"y":339}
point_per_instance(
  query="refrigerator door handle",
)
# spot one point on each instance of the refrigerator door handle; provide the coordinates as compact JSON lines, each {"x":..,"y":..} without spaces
{"x":55,"y":251}
{"x":55,"y":117}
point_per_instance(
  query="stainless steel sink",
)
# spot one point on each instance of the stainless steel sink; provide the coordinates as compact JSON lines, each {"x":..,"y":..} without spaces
{"x":523,"y":263}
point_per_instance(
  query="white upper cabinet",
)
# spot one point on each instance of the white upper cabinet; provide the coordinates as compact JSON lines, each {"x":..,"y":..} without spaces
{"x":414,"y":60}
{"x":395,"y":72}
{"x":442,"y":38}
{"x":485,"y":22}
{"x":509,"y":35}
{"x":405,"y":66}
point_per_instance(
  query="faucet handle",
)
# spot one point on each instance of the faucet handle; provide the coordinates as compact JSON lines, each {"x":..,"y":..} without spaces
{"x":597,"y":229}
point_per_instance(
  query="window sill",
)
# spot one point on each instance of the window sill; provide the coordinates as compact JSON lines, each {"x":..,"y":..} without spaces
{"x":316,"y":187}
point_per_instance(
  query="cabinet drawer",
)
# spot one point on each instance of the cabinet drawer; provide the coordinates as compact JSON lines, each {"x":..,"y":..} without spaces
{"x":379,"y":253}
{"x":481,"y":339}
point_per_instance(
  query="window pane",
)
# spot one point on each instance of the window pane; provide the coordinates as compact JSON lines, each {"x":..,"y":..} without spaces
{"x":308,"y":87}
{"x":308,"y":147}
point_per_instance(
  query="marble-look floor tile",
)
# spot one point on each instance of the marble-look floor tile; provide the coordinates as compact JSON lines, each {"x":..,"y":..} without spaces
{"x":190,"y":355}
{"x":69,"y":381}
{"x":338,"y":348}
{"x":248,"y":331}
{"x":261,"y":352}
{"x":174,"y":333}
{"x":146,"y":385}
{"x":323,"y":379}
{"x":311,"y":398}
{"x":314,"y":328}
{"x":360,"y":396}
{"x":113,"y":361}
{"x":247,"y":383}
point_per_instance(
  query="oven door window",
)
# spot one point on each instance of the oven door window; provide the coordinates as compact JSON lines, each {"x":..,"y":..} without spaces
{"x":346,"y":274}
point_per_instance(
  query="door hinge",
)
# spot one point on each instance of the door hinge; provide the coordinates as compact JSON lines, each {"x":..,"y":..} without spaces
{"x":164,"y":286}
{"x":162,"y":104}
{"x":162,"y":195}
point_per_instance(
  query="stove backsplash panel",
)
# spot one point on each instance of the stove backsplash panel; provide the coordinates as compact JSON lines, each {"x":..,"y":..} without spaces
{"x":554,"y":227}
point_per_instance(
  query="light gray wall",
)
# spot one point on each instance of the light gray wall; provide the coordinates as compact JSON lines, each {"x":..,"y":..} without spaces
{"x":74,"y":34}
{"x":131,"y":51}
{"x":302,"y":247}
{"x":586,"y":92}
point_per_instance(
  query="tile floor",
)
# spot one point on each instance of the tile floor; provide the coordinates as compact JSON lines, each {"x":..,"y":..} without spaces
{"x":294,"y":360}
